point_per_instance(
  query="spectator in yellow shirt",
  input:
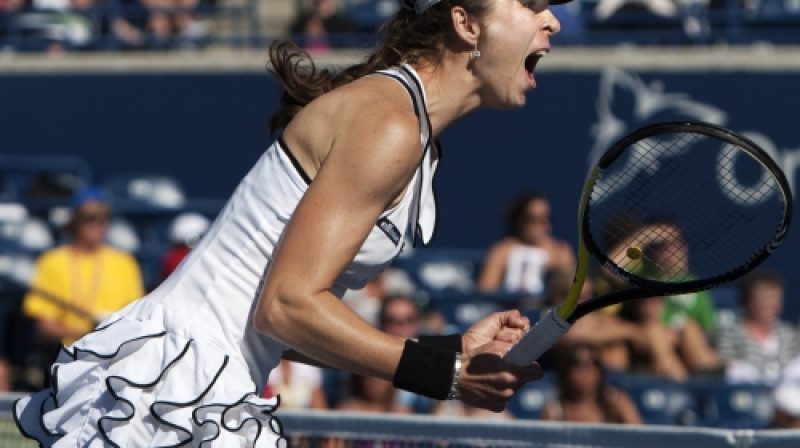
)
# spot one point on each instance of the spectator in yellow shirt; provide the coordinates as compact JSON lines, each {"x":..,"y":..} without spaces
{"x":78,"y":284}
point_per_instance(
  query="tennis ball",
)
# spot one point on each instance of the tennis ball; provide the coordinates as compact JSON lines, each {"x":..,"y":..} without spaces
{"x":634,"y":252}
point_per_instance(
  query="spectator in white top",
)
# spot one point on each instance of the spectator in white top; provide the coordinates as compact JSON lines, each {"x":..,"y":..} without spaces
{"x":520,"y":261}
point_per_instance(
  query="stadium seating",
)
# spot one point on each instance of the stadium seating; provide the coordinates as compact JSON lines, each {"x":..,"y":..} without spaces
{"x":726,"y":306}
{"x":41,"y":182}
{"x":464,"y":309}
{"x":734,"y":406}
{"x":251,"y":23}
{"x":442,"y":270}
{"x":660,"y":401}
{"x":531,"y":398}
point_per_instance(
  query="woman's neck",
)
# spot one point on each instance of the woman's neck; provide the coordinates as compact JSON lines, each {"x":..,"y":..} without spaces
{"x":450,"y":92}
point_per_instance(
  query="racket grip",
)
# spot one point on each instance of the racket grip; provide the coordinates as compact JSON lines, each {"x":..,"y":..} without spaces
{"x":535,"y":342}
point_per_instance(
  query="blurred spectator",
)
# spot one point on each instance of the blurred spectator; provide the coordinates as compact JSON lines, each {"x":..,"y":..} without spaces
{"x":672,"y":352}
{"x":159,"y":24}
{"x":583,"y":393}
{"x":184,"y":233}
{"x":668,"y":260}
{"x":367,"y":301}
{"x":761,"y":346}
{"x":80,"y":283}
{"x":10,"y":6}
{"x":520,"y":261}
{"x":786,"y":414}
{"x":399,"y":316}
{"x":322,"y":27}
{"x":671,"y":254}
{"x":370,"y":394}
{"x":58,"y":25}
{"x":298,"y":385}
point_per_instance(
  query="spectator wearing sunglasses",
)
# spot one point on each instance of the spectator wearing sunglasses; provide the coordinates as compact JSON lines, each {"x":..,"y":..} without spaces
{"x":80,"y":283}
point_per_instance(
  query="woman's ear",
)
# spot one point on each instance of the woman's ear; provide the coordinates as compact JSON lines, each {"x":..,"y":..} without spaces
{"x":466,"y":27}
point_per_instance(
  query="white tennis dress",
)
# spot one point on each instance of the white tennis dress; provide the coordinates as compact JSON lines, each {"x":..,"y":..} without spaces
{"x":183,"y":365}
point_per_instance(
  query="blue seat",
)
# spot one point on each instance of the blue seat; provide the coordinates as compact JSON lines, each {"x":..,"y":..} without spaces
{"x":529,"y":400}
{"x":146,"y":201}
{"x":42,"y":182}
{"x":772,"y":12}
{"x":462,"y":310}
{"x":744,"y":406}
{"x":145,"y":190}
{"x":442,"y":270}
{"x":661,"y":401}
{"x":726,"y":306}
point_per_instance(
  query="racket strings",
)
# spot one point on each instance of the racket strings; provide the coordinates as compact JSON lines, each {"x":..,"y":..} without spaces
{"x":683,"y":205}
{"x":670,"y":263}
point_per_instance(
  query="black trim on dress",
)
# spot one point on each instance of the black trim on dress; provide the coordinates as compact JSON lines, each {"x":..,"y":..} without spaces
{"x":293,"y":159}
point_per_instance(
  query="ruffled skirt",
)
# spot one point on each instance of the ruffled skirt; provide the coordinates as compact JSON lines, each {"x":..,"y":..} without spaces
{"x":133,"y":384}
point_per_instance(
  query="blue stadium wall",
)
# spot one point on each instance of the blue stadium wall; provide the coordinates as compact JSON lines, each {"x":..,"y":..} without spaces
{"x":207,"y":129}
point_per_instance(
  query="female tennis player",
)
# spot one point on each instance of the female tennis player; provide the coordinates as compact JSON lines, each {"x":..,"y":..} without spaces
{"x":324,"y":209}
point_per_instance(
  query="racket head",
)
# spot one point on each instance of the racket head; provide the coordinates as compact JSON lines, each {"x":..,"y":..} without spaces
{"x":679,"y":207}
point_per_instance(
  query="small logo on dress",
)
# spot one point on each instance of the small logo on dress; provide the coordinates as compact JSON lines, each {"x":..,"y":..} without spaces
{"x":390,"y":230}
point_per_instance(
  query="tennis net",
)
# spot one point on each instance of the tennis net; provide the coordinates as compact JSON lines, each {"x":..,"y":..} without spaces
{"x":332,"y":429}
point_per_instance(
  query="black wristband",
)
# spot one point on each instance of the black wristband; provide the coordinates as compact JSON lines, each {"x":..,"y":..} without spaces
{"x":448,"y":342}
{"x":425,"y":370}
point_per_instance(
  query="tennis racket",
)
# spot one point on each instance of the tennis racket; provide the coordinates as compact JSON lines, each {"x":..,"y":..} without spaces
{"x":672,"y":208}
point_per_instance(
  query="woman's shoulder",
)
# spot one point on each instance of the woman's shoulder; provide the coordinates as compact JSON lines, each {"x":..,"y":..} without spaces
{"x":366,"y":118}
{"x":372,"y":92}
{"x":369,"y":106}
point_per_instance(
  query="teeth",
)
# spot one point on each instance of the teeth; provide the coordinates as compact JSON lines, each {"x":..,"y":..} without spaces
{"x":541,"y":53}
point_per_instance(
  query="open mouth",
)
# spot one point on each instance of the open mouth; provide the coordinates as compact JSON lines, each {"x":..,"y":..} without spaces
{"x":532,"y":60}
